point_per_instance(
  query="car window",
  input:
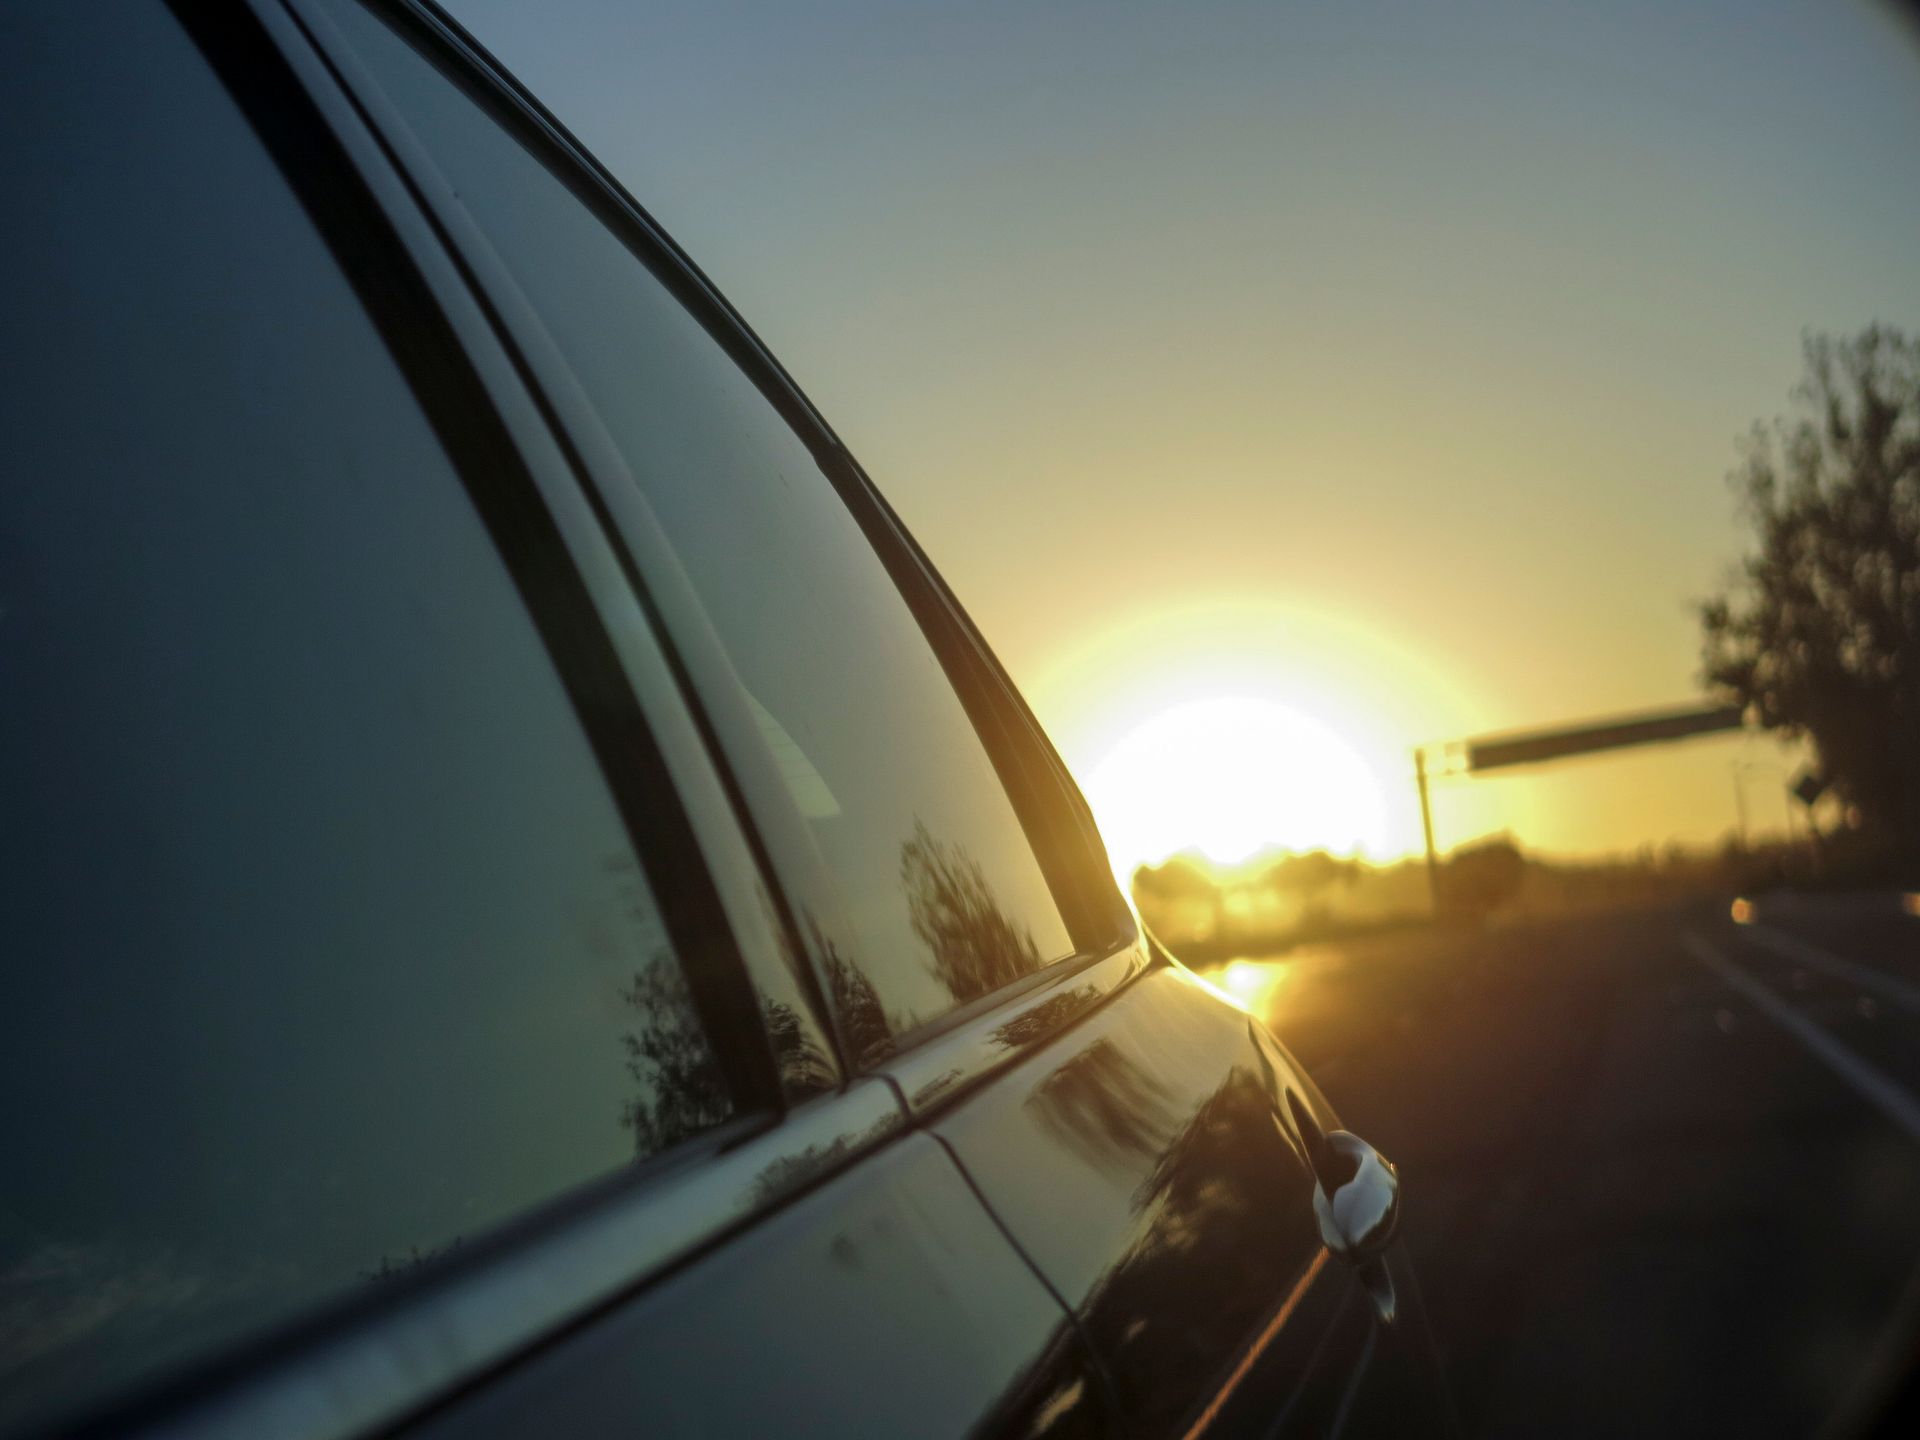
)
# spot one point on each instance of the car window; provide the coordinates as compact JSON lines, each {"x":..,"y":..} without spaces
{"x":870,"y":741}
{"x":326,"y":946}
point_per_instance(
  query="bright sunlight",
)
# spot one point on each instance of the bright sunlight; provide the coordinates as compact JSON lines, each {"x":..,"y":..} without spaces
{"x":1230,"y":777}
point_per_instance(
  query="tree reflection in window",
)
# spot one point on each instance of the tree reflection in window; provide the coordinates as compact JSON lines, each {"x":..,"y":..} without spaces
{"x":976,"y":947}
{"x":682,"y":1091}
{"x":864,"y":1027}
{"x":804,"y":1069}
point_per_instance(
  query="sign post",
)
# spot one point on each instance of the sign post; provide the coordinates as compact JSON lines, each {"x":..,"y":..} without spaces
{"x":1426,"y":827}
{"x":1534,"y":747}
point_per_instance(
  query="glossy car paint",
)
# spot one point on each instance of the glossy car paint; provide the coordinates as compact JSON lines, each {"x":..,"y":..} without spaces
{"x":1142,"y":1161}
{"x":355,"y":1372}
{"x":885,"y":1303}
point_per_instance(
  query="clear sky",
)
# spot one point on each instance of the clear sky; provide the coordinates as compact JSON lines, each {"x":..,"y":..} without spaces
{"x":1384,"y":362}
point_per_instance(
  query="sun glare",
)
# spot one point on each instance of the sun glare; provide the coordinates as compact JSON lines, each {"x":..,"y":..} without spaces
{"x":1230,"y":777}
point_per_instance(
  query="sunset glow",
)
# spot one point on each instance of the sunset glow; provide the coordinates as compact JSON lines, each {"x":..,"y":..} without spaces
{"x":1231,"y":776}
{"x":1429,"y":439}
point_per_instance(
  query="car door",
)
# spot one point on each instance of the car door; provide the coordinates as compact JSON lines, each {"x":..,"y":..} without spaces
{"x":398,"y":1027}
{"x":1151,"y":1164}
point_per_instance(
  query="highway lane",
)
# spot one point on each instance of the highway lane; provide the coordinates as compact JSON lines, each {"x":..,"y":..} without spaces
{"x":1659,"y":1174}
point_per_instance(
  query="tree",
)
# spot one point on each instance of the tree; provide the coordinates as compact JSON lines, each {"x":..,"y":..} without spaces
{"x":1179,"y":879}
{"x":1483,"y":876}
{"x":1310,"y":875}
{"x":1163,"y":892}
{"x":1820,"y":633}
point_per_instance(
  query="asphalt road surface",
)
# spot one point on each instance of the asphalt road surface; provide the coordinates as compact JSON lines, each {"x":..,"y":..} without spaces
{"x":1662,"y":1169}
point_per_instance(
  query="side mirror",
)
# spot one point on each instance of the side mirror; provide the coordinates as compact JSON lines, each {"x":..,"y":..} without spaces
{"x":1357,"y":1201}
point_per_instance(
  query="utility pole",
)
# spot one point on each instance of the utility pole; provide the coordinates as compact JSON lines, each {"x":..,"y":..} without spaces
{"x":1479,"y":754}
{"x":1426,"y":828}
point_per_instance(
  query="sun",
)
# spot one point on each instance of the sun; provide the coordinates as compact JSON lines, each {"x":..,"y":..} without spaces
{"x":1232,"y":776}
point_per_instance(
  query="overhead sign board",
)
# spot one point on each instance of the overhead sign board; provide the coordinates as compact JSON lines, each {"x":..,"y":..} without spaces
{"x":1494,"y":752}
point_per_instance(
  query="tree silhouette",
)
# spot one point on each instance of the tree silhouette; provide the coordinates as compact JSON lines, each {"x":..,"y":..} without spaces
{"x":1161,"y":890}
{"x":1177,"y":878}
{"x":865,"y":1028}
{"x":1045,"y":1018}
{"x":1483,"y":876}
{"x":1106,"y":1109}
{"x":804,"y":1069}
{"x":800,"y":1048}
{"x":1310,"y":875}
{"x":1820,"y":634}
{"x":682,"y":1090}
{"x":976,"y":946}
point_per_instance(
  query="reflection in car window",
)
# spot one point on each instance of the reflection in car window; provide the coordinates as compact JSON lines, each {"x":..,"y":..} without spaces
{"x":870,"y":741}
{"x":326,"y":946}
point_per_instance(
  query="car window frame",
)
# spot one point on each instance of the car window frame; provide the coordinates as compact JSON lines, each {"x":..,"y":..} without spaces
{"x":331,"y":1370}
{"x":1054,"y":818}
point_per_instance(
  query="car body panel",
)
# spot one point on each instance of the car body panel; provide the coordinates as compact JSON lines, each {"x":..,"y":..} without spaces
{"x":885,"y":1303}
{"x":937,"y":1073}
{"x":1142,"y":1162}
{"x":367,"y":1366}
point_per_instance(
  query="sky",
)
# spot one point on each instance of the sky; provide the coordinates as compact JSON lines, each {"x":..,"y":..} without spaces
{"x":1376,"y":367}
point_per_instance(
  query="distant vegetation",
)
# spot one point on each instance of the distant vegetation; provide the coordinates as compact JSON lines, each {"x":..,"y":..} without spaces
{"x":1207,"y":912}
{"x":1817,"y":637}
{"x":1820,"y":634}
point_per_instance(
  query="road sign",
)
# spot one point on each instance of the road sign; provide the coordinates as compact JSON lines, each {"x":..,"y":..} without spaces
{"x":1530,"y":747}
{"x":1494,"y":752}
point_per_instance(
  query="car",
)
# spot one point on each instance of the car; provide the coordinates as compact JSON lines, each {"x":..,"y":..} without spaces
{"x":531,"y":909}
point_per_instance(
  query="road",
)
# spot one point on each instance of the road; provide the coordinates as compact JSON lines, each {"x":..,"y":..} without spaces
{"x":1662,"y":1169}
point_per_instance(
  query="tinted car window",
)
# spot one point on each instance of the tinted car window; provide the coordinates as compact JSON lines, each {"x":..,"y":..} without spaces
{"x":326,"y":947}
{"x":946,"y":899}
